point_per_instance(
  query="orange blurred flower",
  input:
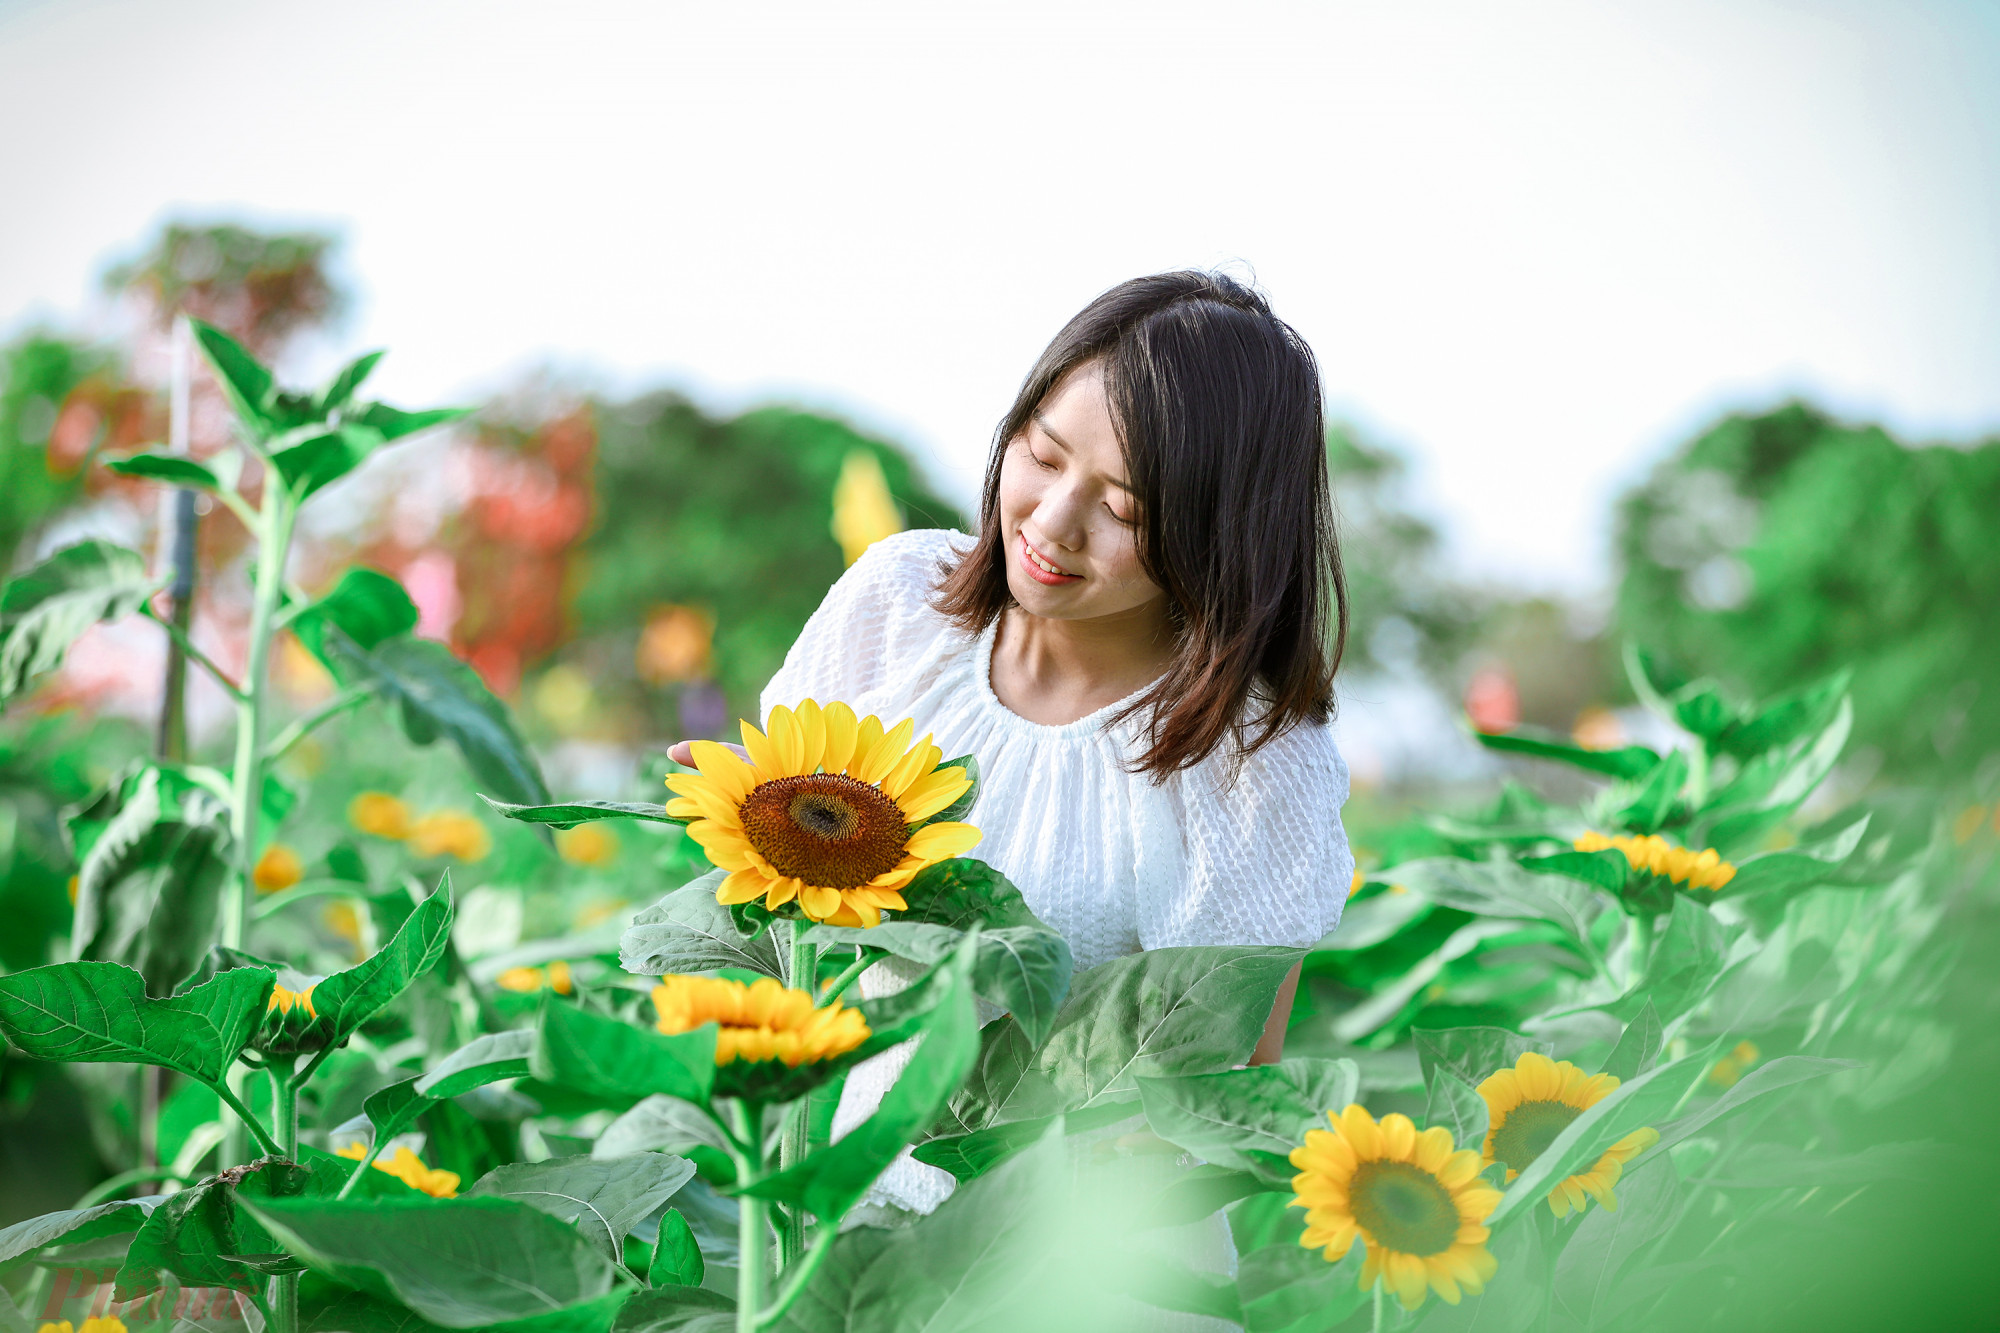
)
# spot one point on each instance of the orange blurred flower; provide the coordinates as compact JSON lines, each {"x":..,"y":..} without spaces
{"x":277,"y":869}
{"x":677,"y":644}
{"x":451,"y":833}
{"x":380,"y":814}
{"x":588,"y":845}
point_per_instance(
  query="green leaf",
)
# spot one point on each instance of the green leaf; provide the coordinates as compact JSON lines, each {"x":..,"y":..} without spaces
{"x":1782,"y":1072}
{"x":661,"y":1122}
{"x":954,"y":1270}
{"x":677,"y":1260}
{"x":326,"y":1308}
{"x":439,"y":696}
{"x":1589,"y":1274}
{"x":677,"y":1309}
{"x":75,"y":1225}
{"x":1655,"y":801}
{"x":316,"y":456}
{"x":570,"y":814}
{"x":149,"y":892}
{"x":968,"y":1155}
{"x":604,"y":1057}
{"x":169,"y":469}
{"x":1166,"y":1282}
{"x":956,"y":812}
{"x":1687,"y":958}
{"x":1458,"y":1107}
{"x":1515,"y":1301}
{"x":1202,"y":1191}
{"x":244,"y":380}
{"x":1472,"y":1053}
{"x":1637,"y":1104}
{"x":393,"y":1109}
{"x":604,"y":1198}
{"x":1606,"y":869}
{"x":1771,"y":787}
{"x":1284,"y":1287}
{"x":1633,"y":761}
{"x":44,"y":610}
{"x":1160,"y":1012}
{"x":830,"y":1180}
{"x":202,"y":1237}
{"x":688,"y":931}
{"x":1250,"y":1119}
{"x":70,"y":1012}
{"x":1025,"y":970}
{"x":396,"y":424}
{"x":964,"y":891}
{"x":366,"y":606}
{"x":460,"y":1263}
{"x":1503,"y":889}
{"x":348,"y":999}
{"x":340,"y":390}
{"x":1638,"y":1046}
{"x":1786,"y":718}
{"x":481,"y":1061}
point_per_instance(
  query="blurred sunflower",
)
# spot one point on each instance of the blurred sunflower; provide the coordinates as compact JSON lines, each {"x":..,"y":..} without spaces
{"x":822,"y":814}
{"x":380,"y":815}
{"x":96,"y":1324}
{"x":526,"y":980}
{"x":587,"y":845}
{"x":277,"y":869}
{"x":450,"y":833}
{"x":1413,"y":1199}
{"x":765,"y":1030}
{"x":409,"y":1168}
{"x":1654,"y":855}
{"x":1529,"y":1106}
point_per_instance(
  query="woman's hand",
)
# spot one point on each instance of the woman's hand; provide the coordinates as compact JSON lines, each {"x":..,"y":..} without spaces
{"x":682,"y":753}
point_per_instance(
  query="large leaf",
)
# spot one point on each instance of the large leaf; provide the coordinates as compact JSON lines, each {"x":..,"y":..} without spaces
{"x":436,"y":696}
{"x":688,"y":931}
{"x":677,"y":1308}
{"x":44,"y":610}
{"x":831,"y":1179}
{"x":365,"y":606}
{"x":169,"y":469}
{"x":150,"y":888}
{"x":75,"y":1225}
{"x":1503,"y":889}
{"x":202,"y":1236}
{"x":1632,"y":761}
{"x":485,"y":1059}
{"x":1472,"y":1053}
{"x":348,"y":999}
{"x":1589,"y":1274}
{"x":1638,"y":1046}
{"x":1456,"y":1105}
{"x":955,"y":1270}
{"x":1281,"y":1284}
{"x":100,"y":1012}
{"x":604,"y":1057}
{"x":245,"y":381}
{"x":568,"y":814}
{"x":603,"y":1198}
{"x":1761,"y":1081}
{"x":968,"y":1155}
{"x":660,"y":1123}
{"x":1250,"y":1119}
{"x":963,"y":891}
{"x":1024,"y":970}
{"x":1160,"y":1012}
{"x":460,"y":1263}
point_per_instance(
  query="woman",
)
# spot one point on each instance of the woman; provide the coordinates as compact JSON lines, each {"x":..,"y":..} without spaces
{"x":1139,"y":644}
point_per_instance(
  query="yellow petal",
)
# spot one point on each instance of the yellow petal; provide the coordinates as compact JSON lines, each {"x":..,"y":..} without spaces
{"x":782,"y":891}
{"x":818,"y":901}
{"x":720,"y":765}
{"x":840,"y":733}
{"x":886,"y":752}
{"x":1433,"y":1149}
{"x":742,"y":886}
{"x":764,"y":755}
{"x":923,"y":756}
{"x":1359,"y":1129}
{"x":932,"y":793}
{"x":812,"y":727}
{"x":1399,"y":1137}
{"x":938,"y":842}
{"x":867,"y":735}
{"x":788,"y":740}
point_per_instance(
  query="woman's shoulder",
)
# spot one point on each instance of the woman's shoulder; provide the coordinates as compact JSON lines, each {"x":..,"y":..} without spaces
{"x":911,"y":559}
{"x":1300,"y":763}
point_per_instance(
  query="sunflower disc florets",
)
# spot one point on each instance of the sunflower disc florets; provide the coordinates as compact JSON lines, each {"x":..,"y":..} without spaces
{"x":822,"y":823}
{"x":1530,"y":1105}
{"x":772,"y":1044}
{"x":1414,"y":1199}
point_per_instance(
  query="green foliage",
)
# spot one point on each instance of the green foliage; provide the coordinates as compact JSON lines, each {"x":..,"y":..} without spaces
{"x":1785,"y":546}
{"x":677,"y":1260}
{"x":45,"y":610}
{"x":1249,"y":1119}
{"x":100,"y":1011}
{"x":38,"y":372}
{"x":603,"y":1198}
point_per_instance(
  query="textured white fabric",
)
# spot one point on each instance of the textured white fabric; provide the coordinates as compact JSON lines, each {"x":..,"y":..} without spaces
{"x":1113,"y":860}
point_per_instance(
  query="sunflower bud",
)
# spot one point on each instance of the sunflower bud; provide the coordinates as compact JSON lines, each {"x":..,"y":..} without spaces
{"x":772,"y":1045}
{"x":292,"y":1023}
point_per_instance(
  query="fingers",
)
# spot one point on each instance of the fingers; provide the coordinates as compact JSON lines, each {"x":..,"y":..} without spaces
{"x":682,"y":753}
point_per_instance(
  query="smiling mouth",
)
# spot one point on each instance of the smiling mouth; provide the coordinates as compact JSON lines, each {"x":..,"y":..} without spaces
{"x":1041,"y":570}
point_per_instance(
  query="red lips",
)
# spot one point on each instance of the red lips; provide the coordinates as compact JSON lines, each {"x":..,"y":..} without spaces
{"x":1028,"y":555}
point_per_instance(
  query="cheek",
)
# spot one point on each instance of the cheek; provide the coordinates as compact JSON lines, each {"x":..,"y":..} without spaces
{"x":1020,"y":490}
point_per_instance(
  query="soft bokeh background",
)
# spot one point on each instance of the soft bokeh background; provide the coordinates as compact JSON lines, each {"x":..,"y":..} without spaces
{"x":1675,"y":328}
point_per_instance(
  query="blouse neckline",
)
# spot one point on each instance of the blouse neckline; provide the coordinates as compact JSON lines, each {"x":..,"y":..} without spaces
{"x":982,"y":675}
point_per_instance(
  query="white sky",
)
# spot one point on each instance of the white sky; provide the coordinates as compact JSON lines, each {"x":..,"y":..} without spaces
{"x":1534,"y":244}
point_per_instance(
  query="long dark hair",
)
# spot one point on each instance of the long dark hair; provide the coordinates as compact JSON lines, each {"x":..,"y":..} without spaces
{"x":1217,"y":406}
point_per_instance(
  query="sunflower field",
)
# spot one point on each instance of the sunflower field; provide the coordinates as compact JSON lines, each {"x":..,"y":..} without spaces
{"x":1685,"y":1048}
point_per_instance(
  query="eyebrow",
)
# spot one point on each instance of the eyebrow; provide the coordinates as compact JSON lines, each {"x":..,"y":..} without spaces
{"x":1042,"y":421}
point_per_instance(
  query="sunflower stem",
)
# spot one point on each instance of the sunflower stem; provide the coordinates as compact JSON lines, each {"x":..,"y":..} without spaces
{"x":864,"y":958}
{"x":793,"y":1145}
{"x":1376,"y":1325}
{"x":753,"y":1240}
{"x":283,"y":1291}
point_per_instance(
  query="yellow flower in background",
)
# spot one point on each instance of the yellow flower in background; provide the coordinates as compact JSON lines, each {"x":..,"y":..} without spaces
{"x":1597,"y":728}
{"x":1530,"y":1105}
{"x":863,"y":510}
{"x":821,"y":814}
{"x":1414,"y":1199}
{"x":1656,"y":856}
{"x":1354,"y":885}
{"x":284,"y":1001}
{"x":277,"y":869}
{"x":380,"y":815}
{"x":554,"y":977}
{"x":677,"y":644}
{"x":409,"y":1168}
{"x":1968,"y":822}
{"x":74,"y":881}
{"x":1735,"y":1065}
{"x":762,"y":1021}
{"x":597,"y":910}
{"x":99,"y":1324}
{"x":451,"y":833}
{"x":587,"y":845}
{"x":344,"y":921}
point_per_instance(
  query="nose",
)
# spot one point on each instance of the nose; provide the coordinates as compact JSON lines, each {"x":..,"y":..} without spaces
{"x":1062,"y":517}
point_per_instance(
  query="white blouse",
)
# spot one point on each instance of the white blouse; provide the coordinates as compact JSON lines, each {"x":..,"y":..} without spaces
{"x":1114,"y":860}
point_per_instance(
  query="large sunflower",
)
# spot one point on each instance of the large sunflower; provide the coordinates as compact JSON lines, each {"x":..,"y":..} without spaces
{"x":769,"y":1037}
{"x":824,"y":814}
{"x":1417,"y":1204}
{"x":1530,"y":1105}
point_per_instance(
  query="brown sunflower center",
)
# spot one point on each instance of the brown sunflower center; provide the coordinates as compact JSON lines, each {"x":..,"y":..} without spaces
{"x":825,"y":828}
{"x":1528,"y":1130}
{"x":1403,"y":1207}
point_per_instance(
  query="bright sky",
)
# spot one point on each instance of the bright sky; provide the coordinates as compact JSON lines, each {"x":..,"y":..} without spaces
{"x":1534,"y":244}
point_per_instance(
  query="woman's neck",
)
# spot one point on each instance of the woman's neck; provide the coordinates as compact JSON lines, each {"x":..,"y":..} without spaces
{"x":1056,"y":671}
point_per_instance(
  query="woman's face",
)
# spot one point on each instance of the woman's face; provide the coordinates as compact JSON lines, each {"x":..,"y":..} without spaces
{"x":1066,"y":510}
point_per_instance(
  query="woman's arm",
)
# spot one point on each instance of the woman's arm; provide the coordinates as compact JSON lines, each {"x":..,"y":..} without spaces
{"x":1271,"y":1046}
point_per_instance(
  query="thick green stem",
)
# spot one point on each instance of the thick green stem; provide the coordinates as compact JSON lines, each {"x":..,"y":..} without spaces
{"x":229,"y":1097}
{"x":793,"y":1145}
{"x":864,"y":958}
{"x":753,"y":1240}
{"x":274,"y":541}
{"x":797,"y":1277}
{"x":1376,"y":1324}
{"x":283,"y":1291}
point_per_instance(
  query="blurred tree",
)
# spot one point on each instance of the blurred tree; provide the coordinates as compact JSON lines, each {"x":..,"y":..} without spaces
{"x":1781,"y":547}
{"x":259,"y":287}
{"x":38,"y":372}
{"x":732,"y":518}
